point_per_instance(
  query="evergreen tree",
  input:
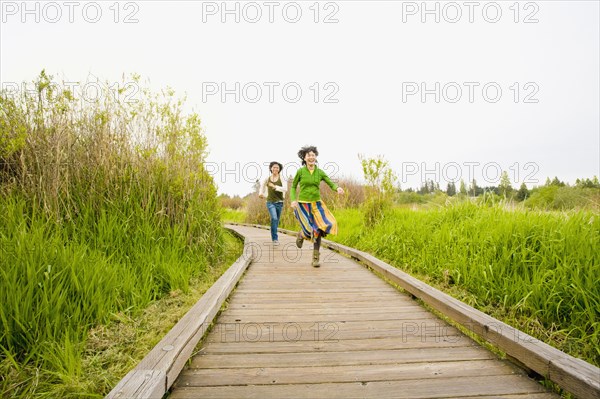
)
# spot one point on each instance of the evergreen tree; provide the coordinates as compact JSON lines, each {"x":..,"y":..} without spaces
{"x":451,"y":189}
{"x":474,"y":188}
{"x":523,"y":193}
{"x":463,"y":187}
{"x":505,"y":188}
{"x":431,"y":186}
{"x":556,"y":182}
{"x":588,"y":183}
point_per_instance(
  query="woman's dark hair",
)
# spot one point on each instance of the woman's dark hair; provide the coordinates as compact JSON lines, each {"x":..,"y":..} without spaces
{"x":305,"y":150}
{"x":275,"y":163}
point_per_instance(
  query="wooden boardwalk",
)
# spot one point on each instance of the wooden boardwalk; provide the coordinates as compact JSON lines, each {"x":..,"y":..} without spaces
{"x":294,"y":331}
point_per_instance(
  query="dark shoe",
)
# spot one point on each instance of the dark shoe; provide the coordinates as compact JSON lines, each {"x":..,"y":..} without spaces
{"x":299,"y":240}
{"x":315,"y":261}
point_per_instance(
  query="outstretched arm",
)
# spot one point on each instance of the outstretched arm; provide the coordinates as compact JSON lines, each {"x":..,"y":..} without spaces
{"x":327,"y":180}
{"x":331,"y":184}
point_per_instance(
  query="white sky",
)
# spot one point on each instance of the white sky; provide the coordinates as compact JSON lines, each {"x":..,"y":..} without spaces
{"x":368,"y":60}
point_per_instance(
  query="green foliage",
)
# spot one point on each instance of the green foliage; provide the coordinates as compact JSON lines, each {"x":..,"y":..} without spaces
{"x":554,"y":182}
{"x":451,"y":189}
{"x":552,"y":196}
{"x":380,"y":188}
{"x":557,"y":197}
{"x":378,"y":175}
{"x":523,"y":193}
{"x":233,"y":215}
{"x":410,"y":197}
{"x":505,"y":188}
{"x":104,"y":207}
{"x":588,"y":183}
{"x":429,"y":187}
{"x":475,"y":190}
{"x":13,"y":129}
{"x":463,"y":188}
{"x":535,"y":270}
{"x":233,"y":203}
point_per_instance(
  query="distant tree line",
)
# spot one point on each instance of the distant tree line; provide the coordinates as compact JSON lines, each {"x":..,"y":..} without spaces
{"x":504,"y":188}
{"x":554,"y":194}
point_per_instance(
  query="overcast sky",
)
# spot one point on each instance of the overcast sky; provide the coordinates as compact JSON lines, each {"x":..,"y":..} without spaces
{"x":442,"y":90}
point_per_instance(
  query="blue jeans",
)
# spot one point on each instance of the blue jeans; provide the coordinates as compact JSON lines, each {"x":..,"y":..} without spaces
{"x":275,"y":213}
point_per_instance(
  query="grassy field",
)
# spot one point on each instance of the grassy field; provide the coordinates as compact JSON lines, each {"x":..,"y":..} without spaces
{"x":60,"y":295}
{"x":233,"y":215}
{"x":105,"y":210}
{"x":537,"y":271}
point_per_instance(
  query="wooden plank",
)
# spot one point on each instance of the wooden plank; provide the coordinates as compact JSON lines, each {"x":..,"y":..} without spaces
{"x":318,"y":305}
{"x":313,"y":306}
{"x":329,"y":331}
{"x":409,"y":389}
{"x":347,"y":275}
{"x":283,"y":311}
{"x":325,"y":275}
{"x":348,"y":296}
{"x":255,"y":303}
{"x":349,"y":270}
{"x":299,"y":359}
{"x":324,"y":344}
{"x":389,"y":296}
{"x":307,"y":300}
{"x":282,"y":287}
{"x":416,"y":326}
{"x":306,"y":271}
{"x":151,"y":384}
{"x":303,"y":278}
{"x":317,"y":374}
{"x":326,"y":281}
{"x":408,"y":314}
{"x":572,"y":374}
{"x":316,"y":297}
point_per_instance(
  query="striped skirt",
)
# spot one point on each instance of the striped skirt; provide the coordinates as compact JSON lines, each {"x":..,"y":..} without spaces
{"x":315,"y":220}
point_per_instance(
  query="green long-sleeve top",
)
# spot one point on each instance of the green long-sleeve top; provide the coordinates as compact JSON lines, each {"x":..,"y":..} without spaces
{"x":309,"y":184}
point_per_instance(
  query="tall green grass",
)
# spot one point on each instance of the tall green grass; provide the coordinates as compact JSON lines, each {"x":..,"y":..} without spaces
{"x":535,"y":270}
{"x":233,"y":215}
{"x":104,"y":207}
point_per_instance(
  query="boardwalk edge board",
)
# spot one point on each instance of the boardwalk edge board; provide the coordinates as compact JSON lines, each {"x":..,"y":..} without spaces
{"x":156,"y":372}
{"x":570,"y":373}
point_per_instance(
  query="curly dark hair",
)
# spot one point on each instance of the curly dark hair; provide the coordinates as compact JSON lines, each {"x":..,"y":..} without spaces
{"x":305,"y":150}
{"x":275,"y":163}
